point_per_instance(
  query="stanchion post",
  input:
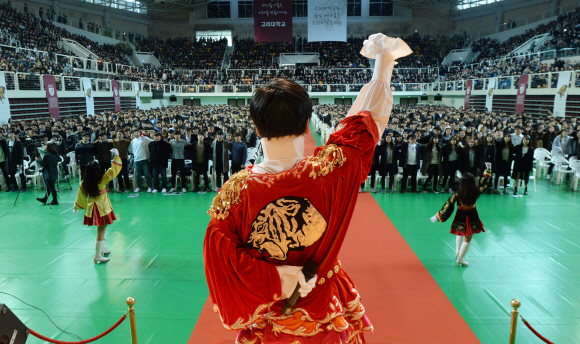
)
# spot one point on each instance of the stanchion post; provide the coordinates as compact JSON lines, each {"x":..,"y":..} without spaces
{"x":515,"y":304}
{"x":130,"y":303}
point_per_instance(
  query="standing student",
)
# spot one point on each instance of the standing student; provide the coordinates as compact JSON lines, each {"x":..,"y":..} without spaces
{"x":451,"y":155}
{"x":388,"y":163}
{"x":410,"y":158}
{"x":466,"y":222}
{"x":14,"y":160}
{"x":239,"y":153}
{"x":221,"y":160}
{"x":523,"y":163}
{"x":430,"y":166}
{"x":159,"y":155}
{"x":179,"y":146}
{"x":92,"y":196}
{"x":122,"y":145}
{"x":103,"y":149}
{"x":203,"y":154}
{"x":503,"y":162}
{"x":85,"y":152}
{"x":140,"y":148}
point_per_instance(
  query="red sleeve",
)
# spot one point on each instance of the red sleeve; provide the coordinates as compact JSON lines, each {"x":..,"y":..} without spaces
{"x":358,"y":133}
{"x":240,"y":285}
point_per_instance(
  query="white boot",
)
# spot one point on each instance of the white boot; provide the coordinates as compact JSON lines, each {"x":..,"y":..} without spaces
{"x":458,"y":241}
{"x":462,"y":253}
{"x":105,"y":249}
{"x":98,"y":252}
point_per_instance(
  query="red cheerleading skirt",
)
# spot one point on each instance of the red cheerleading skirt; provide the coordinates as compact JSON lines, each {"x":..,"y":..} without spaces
{"x":98,"y":220}
{"x":468,"y":230}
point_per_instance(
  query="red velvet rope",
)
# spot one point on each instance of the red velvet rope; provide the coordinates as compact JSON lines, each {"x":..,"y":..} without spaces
{"x":82,"y":341}
{"x":536,"y":332}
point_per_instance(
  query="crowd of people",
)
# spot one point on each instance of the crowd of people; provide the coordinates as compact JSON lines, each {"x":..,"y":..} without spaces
{"x":435,"y":142}
{"x":182,"y":139}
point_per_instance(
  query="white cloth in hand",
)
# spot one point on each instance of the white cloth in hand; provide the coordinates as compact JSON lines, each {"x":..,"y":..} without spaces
{"x":488,"y":165}
{"x":290,"y":276}
{"x":434,"y":218}
{"x":376,"y":96}
{"x":75,"y":211}
{"x":115,"y":151}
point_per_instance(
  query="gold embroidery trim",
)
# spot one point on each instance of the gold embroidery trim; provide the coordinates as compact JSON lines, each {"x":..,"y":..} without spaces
{"x":329,"y":274}
{"x":323,"y":163}
{"x":228,"y":195}
{"x":336,"y":268}
{"x":321,"y":281}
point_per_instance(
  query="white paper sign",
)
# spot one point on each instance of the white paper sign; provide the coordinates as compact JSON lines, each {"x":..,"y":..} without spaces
{"x":89,"y":96}
{"x":326,"y":20}
{"x":4,"y":104}
{"x":561,"y":93}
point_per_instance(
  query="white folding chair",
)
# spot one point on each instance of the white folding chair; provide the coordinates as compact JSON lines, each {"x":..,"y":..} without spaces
{"x":575,"y":165}
{"x":35,"y":176}
{"x":561,"y":166}
{"x":542,"y":158}
{"x":72,"y":165}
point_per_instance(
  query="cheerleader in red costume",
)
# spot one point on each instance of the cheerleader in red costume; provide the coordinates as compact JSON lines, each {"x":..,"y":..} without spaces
{"x":92,"y":196}
{"x":271,"y":218}
{"x":466,"y":222}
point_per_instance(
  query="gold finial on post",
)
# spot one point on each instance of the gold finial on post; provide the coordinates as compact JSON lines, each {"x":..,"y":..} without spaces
{"x":130,"y":303}
{"x":515,"y":303}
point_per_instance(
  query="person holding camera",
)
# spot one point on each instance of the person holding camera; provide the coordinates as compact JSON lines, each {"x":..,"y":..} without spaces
{"x":49,"y":173}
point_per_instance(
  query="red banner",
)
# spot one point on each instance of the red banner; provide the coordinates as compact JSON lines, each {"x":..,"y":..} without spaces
{"x":521,"y":97}
{"x":273,"y":20}
{"x":51,"y":96}
{"x":468,"y":88}
{"x":116,"y":95}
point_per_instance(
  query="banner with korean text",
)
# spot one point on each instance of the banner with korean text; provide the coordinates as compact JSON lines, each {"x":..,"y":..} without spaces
{"x":326,"y":20}
{"x":489,"y":94}
{"x":137,"y":94}
{"x":4,"y":104}
{"x":561,"y":93}
{"x":273,"y":20}
{"x":116,"y":96}
{"x":521,"y":96}
{"x":468,"y":88}
{"x":89,"y":97}
{"x":51,"y":96}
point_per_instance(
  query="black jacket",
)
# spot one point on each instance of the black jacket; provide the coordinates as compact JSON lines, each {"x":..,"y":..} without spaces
{"x":50,"y":166}
{"x":523,"y":163}
{"x":85,"y":153}
{"x":485,"y":153}
{"x":16,"y":157}
{"x":159,"y":153}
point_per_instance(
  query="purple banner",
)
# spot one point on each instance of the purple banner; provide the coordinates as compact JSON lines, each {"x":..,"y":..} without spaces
{"x":116,"y":96}
{"x":521,"y":97}
{"x":273,"y":20}
{"x":51,"y":96}
{"x":468,"y":88}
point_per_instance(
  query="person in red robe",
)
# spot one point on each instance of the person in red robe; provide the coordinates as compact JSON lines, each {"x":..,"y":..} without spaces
{"x":270,"y":219}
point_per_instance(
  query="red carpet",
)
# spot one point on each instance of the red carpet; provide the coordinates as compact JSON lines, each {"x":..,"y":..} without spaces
{"x":402,"y":300}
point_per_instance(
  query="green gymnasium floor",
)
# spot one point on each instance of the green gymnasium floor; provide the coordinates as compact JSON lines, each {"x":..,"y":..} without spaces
{"x":530,"y":251}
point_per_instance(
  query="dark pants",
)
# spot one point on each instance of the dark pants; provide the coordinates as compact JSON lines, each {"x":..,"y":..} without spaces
{"x":236,"y":167}
{"x":83,"y":168}
{"x":50,"y":189}
{"x":160,"y":170}
{"x":409,"y":170}
{"x":392,"y":171}
{"x":432,"y":172}
{"x":201,"y":170}
{"x":503,"y":170}
{"x":374,"y":170}
{"x":104,"y":167}
{"x":12,"y":179}
{"x":142,"y":170}
{"x":452,"y":168}
{"x":178,"y":165}
{"x":123,"y":176}
{"x":218,"y":178}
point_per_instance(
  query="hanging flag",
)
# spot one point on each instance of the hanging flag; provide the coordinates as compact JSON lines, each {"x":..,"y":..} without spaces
{"x":521,"y":97}
{"x":4,"y":103}
{"x":489,"y":94}
{"x":89,"y":97}
{"x":273,"y":20}
{"x":561,"y":93}
{"x":116,"y":96}
{"x":326,"y":20}
{"x":137,"y":94}
{"x":51,"y":96}
{"x":468,"y":88}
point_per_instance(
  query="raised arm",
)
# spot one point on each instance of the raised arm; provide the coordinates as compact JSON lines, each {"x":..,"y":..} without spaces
{"x":114,"y":170}
{"x":376,"y":96}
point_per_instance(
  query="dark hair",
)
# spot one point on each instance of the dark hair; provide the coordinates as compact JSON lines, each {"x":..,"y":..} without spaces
{"x":468,"y":191}
{"x":92,"y":178}
{"x":51,"y":148}
{"x":281,"y":108}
